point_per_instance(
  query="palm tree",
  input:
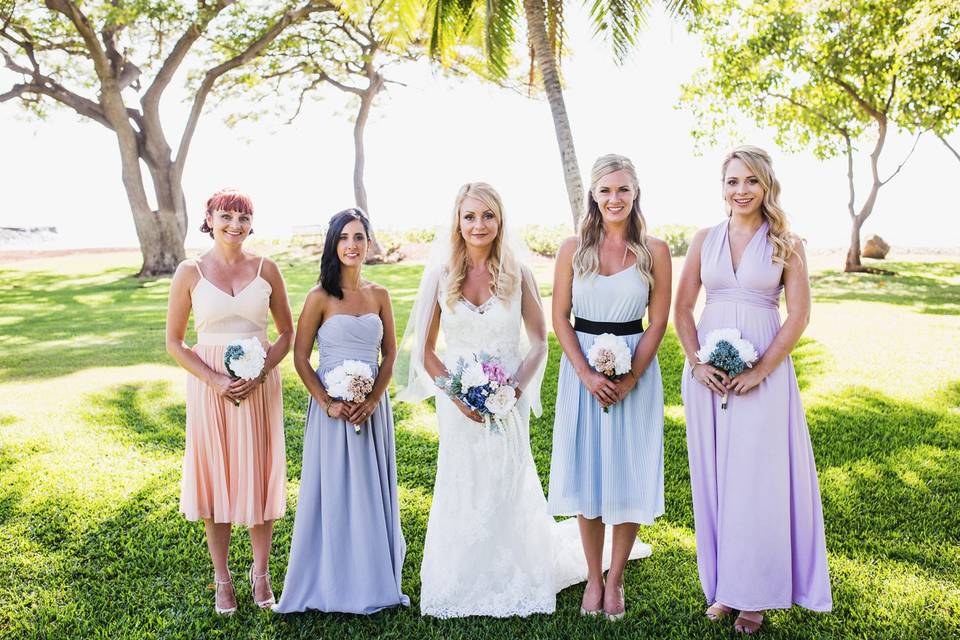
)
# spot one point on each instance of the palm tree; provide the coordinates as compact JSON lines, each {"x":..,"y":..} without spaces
{"x":619,"y":21}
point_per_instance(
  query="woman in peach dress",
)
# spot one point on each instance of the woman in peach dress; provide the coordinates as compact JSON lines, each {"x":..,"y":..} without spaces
{"x":234,"y":467}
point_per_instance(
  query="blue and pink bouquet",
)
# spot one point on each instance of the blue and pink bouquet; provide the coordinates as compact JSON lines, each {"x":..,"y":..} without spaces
{"x":727,"y":351}
{"x":481,"y":383}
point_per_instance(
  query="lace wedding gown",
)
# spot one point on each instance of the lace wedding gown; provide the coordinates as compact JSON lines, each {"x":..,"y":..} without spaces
{"x":491,"y":548}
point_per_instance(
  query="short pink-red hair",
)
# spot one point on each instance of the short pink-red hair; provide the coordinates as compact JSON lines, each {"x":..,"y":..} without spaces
{"x":227,"y":200}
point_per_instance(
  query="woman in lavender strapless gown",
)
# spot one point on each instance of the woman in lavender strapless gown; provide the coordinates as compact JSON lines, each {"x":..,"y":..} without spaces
{"x":348,"y":549}
{"x":756,"y":501}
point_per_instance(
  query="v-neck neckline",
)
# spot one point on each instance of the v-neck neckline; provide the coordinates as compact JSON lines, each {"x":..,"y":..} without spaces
{"x":233,"y":295}
{"x":479,"y":308}
{"x":726,"y":241}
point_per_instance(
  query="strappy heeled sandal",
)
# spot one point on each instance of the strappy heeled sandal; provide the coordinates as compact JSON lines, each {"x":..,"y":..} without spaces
{"x":223,"y":611}
{"x":747,"y":624}
{"x":263,"y":604}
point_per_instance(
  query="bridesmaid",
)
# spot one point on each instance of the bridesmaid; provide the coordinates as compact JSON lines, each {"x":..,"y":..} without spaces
{"x":756,"y":503}
{"x":348,"y":549}
{"x":607,"y":468}
{"x":234,"y":469}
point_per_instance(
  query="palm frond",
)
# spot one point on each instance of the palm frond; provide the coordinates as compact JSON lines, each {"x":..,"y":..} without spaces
{"x":499,"y":21}
{"x":620,"y":21}
{"x":556,"y":32}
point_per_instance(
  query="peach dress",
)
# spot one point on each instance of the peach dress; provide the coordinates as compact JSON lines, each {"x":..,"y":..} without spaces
{"x":234,"y":464}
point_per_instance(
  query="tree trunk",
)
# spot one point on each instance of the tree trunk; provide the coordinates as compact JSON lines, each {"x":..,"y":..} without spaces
{"x":853,"y":253}
{"x":376,"y":254}
{"x":853,"y":263}
{"x":546,"y":61}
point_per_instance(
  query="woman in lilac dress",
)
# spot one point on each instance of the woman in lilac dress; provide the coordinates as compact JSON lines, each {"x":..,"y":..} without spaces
{"x":347,"y":549}
{"x":756,"y":501}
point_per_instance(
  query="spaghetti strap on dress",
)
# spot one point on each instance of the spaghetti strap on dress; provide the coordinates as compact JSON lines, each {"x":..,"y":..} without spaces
{"x":234,"y":463}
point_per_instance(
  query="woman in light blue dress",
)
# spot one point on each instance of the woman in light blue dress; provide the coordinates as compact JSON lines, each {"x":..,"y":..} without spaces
{"x":348,"y":549}
{"x":607,"y":466}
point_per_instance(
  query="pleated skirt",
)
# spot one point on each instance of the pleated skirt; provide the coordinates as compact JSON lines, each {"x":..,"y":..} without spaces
{"x":234,"y":463}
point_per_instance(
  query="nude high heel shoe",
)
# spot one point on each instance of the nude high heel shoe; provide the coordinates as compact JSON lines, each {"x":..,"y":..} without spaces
{"x":263,"y":604}
{"x":223,"y":611}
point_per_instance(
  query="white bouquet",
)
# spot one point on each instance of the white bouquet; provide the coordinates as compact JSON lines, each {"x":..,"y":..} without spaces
{"x":244,"y":359}
{"x":727,"y":351}
{"x":610,"y":356}
{"x":351,"y":381}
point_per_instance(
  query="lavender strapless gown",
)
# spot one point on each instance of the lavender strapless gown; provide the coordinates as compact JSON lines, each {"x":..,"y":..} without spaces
{"x":347,"y":550}
{"x":756,"y":500}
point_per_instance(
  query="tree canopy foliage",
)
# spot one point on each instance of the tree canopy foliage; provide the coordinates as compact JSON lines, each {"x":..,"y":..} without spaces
{"x":828,"y":76}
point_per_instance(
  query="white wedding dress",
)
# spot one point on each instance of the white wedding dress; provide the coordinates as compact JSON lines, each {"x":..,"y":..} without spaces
{"x":491,"y":547}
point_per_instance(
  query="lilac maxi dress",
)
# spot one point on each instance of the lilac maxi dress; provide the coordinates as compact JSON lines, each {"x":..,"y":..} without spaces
{"x":756,"y":500}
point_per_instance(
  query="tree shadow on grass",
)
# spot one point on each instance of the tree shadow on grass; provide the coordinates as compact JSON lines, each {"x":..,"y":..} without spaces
{"x":139,"y":414}
{"x":890,"y":478}
{"x":930,"y":287}
{"x":57,"y":324}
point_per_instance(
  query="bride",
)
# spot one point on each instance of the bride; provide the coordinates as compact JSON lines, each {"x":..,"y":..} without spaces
{"x":491,"y":547}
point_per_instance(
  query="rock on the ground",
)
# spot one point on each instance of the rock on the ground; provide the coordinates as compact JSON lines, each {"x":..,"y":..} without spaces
{"x":875,"y":247}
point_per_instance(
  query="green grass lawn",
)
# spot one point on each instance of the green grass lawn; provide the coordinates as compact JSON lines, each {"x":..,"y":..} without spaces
{"x":91,"y":438}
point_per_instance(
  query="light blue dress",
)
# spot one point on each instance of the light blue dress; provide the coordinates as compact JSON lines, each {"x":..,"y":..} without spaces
{"x":608,"y":465}
{"x":348,"y":549}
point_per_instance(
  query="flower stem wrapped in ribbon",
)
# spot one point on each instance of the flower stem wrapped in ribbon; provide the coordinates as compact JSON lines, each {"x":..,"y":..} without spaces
{"x":481,"y":383}
{"x":244,"y":359}
{"x":610,"y":356}
{"x":727,"y":351}
{"x":351,"y":381}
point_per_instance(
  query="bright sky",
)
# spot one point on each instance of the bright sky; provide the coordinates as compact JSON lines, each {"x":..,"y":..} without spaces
{"x":424,"y":140}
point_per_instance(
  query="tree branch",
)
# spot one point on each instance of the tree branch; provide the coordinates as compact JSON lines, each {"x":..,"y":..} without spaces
{"x":253,"y":50}
{"x":869,"y":108}
{"x":912,"y":149}
{"x":81,"y":105}
{"x":832,"y":124}
{"x":151,"y":99}
{"x":943,"y":139}
{"x":82,"y":24}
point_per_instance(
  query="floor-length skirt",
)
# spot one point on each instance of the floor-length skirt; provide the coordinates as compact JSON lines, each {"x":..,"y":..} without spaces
{"x":348,"y":548}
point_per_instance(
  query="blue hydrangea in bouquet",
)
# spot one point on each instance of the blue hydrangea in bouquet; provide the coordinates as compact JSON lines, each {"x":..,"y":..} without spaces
{"x":727,"y":351}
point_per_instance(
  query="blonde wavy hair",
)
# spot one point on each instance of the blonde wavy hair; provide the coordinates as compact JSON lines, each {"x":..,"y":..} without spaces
{"x":586,"y":259}
{"x":502,"y":264}
{"x":778,"y":230}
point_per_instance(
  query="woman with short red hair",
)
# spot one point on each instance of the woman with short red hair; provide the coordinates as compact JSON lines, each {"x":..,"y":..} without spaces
{"x":234,"y":465}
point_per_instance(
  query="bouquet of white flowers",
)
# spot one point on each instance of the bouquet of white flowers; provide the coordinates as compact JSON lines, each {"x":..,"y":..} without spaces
{"x":244,"y":359}
{"x":727,"y":351}
{"x":482,"y":384}
{"x":610,"y":356}
{"x":351,"y":381}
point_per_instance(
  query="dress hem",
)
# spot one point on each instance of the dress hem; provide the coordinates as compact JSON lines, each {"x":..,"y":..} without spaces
{"x":486,"y":614}
{"x":779,"y":605}
{"x":647,"y":520}
{"x":365,"y":612}
{"x":197,"y":517}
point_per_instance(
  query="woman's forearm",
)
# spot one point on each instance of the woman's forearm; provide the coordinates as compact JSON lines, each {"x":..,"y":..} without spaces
{"x":783,"y":343}
{"x":567,"y":338}
{"x":190,"y":361}
{"x":647,"y":347}
{"x":686,"y":328}
{"x":310,"y":379}
{"x":382,"y":381}
{"x":278,"y":350}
